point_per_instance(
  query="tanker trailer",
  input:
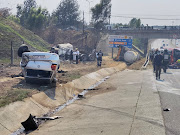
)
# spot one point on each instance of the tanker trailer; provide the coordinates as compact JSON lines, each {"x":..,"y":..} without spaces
{"x":131,"y":56}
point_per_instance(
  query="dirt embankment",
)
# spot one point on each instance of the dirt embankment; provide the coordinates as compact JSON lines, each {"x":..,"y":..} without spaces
{"x":85,"y":42}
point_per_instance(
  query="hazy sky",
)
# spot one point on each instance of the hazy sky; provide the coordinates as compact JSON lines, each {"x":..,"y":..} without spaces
{"x":150,"y":11}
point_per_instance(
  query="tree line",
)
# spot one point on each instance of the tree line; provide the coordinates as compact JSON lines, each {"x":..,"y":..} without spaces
{"x":67,"y":14}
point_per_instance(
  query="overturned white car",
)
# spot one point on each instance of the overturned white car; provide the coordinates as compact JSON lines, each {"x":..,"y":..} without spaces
{"x":41,"y":66}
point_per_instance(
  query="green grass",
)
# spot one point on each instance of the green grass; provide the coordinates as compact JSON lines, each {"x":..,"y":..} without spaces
{"x":10,"y":30}
{"x":74,"y":76}
{"x":13,"y":96}
{"x":5,"y":60}
{"x":8,"y":61}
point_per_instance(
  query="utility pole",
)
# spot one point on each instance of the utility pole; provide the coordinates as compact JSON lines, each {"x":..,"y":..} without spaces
{"x":89,"y":9}
{"x":109,"y":19}
{"x":83,"y":22}
{"x":83,"y":30}
{"x":12,"y":54}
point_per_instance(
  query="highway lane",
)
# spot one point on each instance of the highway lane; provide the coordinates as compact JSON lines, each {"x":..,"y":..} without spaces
{"x":126,"y":104}
{"x":169,"y":43}
{"x":169,"y":91}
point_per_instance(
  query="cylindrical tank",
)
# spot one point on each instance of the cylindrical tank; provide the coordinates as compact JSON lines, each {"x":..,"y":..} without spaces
{"x":131,"y":56}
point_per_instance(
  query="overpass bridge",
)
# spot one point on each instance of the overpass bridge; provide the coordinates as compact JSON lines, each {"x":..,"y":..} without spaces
{"x":146,"y":34}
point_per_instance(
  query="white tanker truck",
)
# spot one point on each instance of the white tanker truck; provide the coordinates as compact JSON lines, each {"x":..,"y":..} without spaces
{"x":131,"y":57}
{"x":127,"y":55}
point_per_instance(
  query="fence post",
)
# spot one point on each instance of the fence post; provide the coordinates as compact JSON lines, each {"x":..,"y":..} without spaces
{"x":112,"y":51}
{"x":12,"y":54}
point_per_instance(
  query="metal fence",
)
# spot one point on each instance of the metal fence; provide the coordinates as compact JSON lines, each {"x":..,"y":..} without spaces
{"x":9,"y":55}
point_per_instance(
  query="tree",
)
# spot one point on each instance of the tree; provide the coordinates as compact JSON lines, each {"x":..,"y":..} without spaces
{"x":135,"y":23}
{"x":101,"y":13}
{"x":37,"y":18}
{"x":67,"y":13}
{"x":4,"y":12}
{"x":31,"y":16}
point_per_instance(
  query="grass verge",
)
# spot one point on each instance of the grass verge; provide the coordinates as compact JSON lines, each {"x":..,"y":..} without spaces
{"x":13,"y":96}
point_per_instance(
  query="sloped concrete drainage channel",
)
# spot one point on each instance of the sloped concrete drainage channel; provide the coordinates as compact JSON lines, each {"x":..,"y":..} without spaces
{"x":12,"y":115}
{"x":59,"y":108}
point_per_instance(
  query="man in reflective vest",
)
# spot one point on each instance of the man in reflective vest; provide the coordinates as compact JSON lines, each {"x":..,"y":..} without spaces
{"x":99,"y":58}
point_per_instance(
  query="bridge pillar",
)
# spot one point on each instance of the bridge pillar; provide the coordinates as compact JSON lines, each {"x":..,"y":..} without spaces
{"x":145,"y":43}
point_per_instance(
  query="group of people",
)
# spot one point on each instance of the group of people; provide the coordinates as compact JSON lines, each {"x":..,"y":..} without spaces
{"x":159,"y":60}
{"x":74,"y":56}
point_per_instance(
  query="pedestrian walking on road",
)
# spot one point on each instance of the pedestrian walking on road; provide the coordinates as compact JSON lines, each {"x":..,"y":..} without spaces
{"x":153,"y":57}
{"x":158,"y":63}
{"x":99,"y":58}
{"x":166,"y":59}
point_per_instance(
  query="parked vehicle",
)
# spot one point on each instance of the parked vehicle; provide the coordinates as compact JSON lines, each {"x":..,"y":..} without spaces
{"x":63,"y":50}
{"x":175,"y":55}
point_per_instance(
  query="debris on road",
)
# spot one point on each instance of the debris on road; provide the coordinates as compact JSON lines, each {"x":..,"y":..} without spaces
{"x":167,"y":109}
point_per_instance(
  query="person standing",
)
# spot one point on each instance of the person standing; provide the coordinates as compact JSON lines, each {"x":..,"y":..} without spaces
{"x":71,"y":56}
{"x":166,"y":59}
{"x":153,"y":57}
{"x":158,"y":63}
{"x":99,"y":58}
{"x":77,"y":55}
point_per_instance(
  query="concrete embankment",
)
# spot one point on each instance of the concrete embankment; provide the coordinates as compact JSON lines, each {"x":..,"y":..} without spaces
{"x":12,"y":115}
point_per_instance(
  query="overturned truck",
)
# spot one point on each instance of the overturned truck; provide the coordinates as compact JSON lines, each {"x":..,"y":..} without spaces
{"x":64,"y":51}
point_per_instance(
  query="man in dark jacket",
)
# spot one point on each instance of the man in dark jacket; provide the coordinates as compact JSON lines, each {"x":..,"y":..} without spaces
{"x":153,"y":57}
{"x":158,"y":63}
{"x":166,"y":59}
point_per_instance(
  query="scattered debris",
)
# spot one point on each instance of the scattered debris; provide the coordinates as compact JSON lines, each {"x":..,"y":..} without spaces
{"x":33,"y":122}
{"x":48,"y":118}
{"x":80,"y":96}
{"x":19,"y":75}
{"x":30,"y":123}
{"x":61,"y":71}
{"x":167,"y":109}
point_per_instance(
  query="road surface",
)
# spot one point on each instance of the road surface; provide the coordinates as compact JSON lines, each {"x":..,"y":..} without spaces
{"x":168,"y":43}
{"x":126,"y":104}
{"x":169,"y":90}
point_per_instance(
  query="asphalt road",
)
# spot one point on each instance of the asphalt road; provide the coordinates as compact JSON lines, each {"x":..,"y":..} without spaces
{"x":126,"y":104}
{"x":169,"y":91}
{"x":169,"y":43}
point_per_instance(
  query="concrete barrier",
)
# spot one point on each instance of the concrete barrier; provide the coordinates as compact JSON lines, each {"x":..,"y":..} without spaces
{"x":12,"y":115}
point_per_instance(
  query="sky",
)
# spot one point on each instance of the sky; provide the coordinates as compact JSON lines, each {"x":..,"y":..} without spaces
{"x":151,"y":12}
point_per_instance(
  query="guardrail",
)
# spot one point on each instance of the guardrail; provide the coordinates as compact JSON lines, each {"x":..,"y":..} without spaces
{"x":146,"y":62}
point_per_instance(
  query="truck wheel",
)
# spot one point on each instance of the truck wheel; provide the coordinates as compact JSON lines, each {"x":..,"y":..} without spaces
{"x":83,"y":57}
{"x":91,"y":57}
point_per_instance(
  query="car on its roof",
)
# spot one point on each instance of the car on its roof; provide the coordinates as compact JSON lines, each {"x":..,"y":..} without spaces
{"x":40,"y":66}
